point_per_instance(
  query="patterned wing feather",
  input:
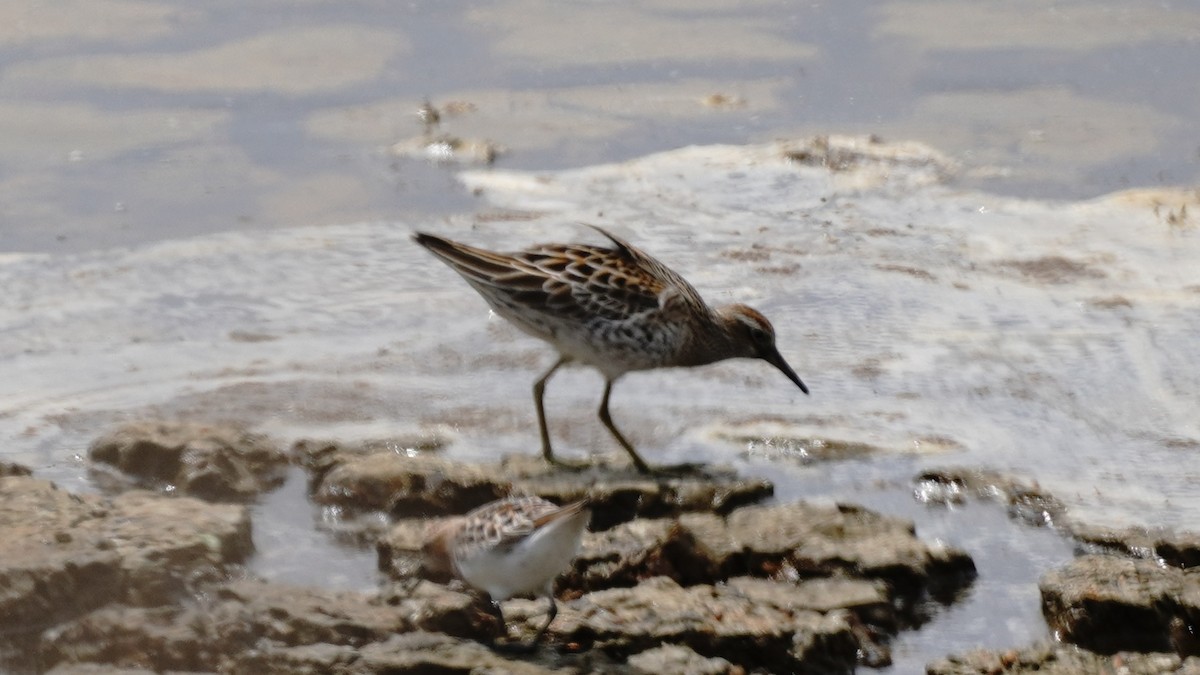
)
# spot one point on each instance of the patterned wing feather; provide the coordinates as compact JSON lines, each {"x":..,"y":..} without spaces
{"x":570,"y":281}
{"x":502,"y":524}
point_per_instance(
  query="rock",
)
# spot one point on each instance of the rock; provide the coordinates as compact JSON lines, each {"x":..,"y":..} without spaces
{"x":246,"y":620}
{"x":834,"y":561}
{"x":62,"y":555}
{"x":676,"y":660}
{"x":120,"y":636}
{"x":214,"y":462}
{"x":853,"y":559}
{"x":13,"y":469}
{"x":398,"y":551}
{"x":619,"y":494}
{"x":417,"y":653}
{"x":618,"y":557}
{"x":318,"y":457}
{"x":318,"y":659}
{"x":449,"y":149}
{"x":1026,"y":503}
{"x":424,"y":485}
{"x":1109,"y":604}
{"x":102,"y":669}
{"x":1060,"y":659}
{"x":804,"y":540}
{"x":799,"y":540}
{"x":432,"y":653}
{"x":1176,"y":549}
{"x":772,"y":633}
{"x":408,"y":486}
{"x":637,"y":550}
{"x":778,"y":440}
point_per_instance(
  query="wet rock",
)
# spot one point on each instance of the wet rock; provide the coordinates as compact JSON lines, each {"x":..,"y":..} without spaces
{"x":432,"y":653}
{"x":62,"y":555}
{"x":214,"y":462}
{"x":1025,"y":502}
{"x":823,"y":558}
{"x":671,"y":659}
{"x":318,"y":659}
{"x":619,"y":494}
{"x":1053,"y":269}
{"x":120,"y":636}
{"x":1176,"y":549}
{"x":868,"y":570}
{"x":637,"y":550}
{"x":13,"y":469}
{"x":769,"y":633}
{"x":317,"y":457}
{"x":406,"y":486}
{"x":1109,"y":604}
{"x":101,"y":669}
{"x":870,"y":159}
{"x":804,"y":540}
{"x":419,"y":653}
{"x":249,"y":620}
{"x":1059,"y":659}
{"x":449,"y":149}
{"x":788,"y":542}
{"x":779,"y":440}
{"x":422,"y":485}
{"x":398,"y":551}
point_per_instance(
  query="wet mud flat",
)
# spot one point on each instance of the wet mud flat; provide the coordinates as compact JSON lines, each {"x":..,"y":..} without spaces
{"x":701,"y":573}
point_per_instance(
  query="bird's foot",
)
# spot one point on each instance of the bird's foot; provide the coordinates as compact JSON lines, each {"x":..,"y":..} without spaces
{"x":687,"y":470}
{"x":515,"y":647}
{"x":570,"y":464}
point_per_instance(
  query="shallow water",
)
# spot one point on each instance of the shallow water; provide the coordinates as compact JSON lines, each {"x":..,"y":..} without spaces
{"x":262,"y":270}
{"x":935,"y":326}
{"x":128,"y":121}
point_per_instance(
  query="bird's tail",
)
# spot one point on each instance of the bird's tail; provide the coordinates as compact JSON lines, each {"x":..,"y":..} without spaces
{"x":473,"y":263}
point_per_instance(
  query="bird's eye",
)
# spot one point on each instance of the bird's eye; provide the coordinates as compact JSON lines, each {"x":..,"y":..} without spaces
{"x":759,"y":336}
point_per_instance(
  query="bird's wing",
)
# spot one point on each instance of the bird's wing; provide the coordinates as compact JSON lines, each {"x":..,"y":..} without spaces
{"x":503,"y":524}
{"x":571,"y":281}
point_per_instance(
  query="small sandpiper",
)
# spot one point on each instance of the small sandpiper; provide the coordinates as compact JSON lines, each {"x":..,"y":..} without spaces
{"x":615,"y":309}
{"x":510,"y":547}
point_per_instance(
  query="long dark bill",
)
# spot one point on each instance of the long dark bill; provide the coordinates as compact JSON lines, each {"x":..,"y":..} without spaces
{"x":776,"y":359}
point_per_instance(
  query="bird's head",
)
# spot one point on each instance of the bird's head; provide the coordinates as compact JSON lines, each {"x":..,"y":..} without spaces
{"x":752,"y":336}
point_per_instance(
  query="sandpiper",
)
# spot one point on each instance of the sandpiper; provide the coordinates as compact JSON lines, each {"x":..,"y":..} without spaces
{"x":510,"y":547}
{"x":616,"y":309}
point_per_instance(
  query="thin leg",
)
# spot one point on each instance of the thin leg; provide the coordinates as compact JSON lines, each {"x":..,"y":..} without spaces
{"x":539,"y":392}
{"x":523,"y":647}
{"x":495,"y":610}
{"x":638,"y":462}
{"x":550,"y":614}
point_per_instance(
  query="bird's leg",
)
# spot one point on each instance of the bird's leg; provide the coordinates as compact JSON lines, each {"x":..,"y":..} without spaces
{"x":532,"y":645}
{"x":642,"y":466}
{"x":551,"y":612}
{"x":539,"y":391}
{"x":495,"y":610}
{"x":638,"y":462}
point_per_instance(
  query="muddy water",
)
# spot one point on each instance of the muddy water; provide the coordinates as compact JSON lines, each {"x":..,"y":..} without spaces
{"x":935,"y":323}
